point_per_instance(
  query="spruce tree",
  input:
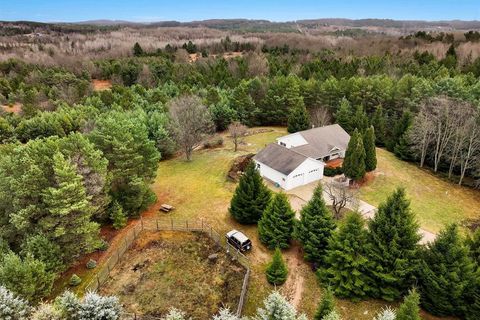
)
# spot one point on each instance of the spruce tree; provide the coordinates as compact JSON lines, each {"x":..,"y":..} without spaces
{"x":354,"y":162}
{"x":392,"y":247}
{"x":277,"y":271}
{"x":251,"y":197}
{"x":275,"y":228}
{"x":343,"y":116}
{"x":445,"y":274}
{"x":346,"y":260}
{"x":326,"y":305}
{"x":315,"y":227}
{"x":69,"y":222}
{"x":370,"y":152}
{"x":360,"y":119}
{"x":298,"y":119}
{"x":410,"y":308}
{"x":380,"y":126}
{"x":118,"y":217}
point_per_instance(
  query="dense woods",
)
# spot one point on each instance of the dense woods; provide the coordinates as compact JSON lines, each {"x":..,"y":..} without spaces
{"x":73,"y":159}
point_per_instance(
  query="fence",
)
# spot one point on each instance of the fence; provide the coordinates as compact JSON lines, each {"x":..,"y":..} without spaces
{"x":170,"y":225}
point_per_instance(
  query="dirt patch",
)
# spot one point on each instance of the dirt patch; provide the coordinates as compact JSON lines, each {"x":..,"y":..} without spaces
{"x":293,"y":288}
{"x":238,"y":166}
{"x":14,"y":108}
{"x":165,"y":269}
{"x":100,"y":85}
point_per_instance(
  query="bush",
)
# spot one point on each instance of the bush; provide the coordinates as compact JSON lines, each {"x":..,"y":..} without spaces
{"x":91,"y":264}
{"x":103,"y":246}
{"x":277,"y":271}
{"x":331,"y":172}
{"x":75,"y":280}
{"x":214,"y":142}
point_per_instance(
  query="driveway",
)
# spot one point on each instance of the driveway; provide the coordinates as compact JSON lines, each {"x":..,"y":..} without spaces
{"x":301,"y":195}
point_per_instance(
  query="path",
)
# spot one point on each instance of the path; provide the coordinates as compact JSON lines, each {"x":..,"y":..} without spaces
{"x":293,"y":288}
{"x":301,"y":195}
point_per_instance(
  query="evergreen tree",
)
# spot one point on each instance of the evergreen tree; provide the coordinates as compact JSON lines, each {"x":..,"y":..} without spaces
{"x":392,"y":247}
{"x":275,"y":228}
{"x":346,"y":260}
{"x":251,"y":197}
{"x":69,"y":224}
{"x":354,"y":162}
{"x":117,"y":216}
{"x":315,"y":227}
{"x":380,"y":126}
{"x":137,"y":50}
{"x":275,"y":306}
{"x":13,"y":307}
{"x":370,"y":151}
{"x":445,"y":274}
{"x":386,"y":314}
{"x":277,"y":271}
{"x":26,"y":277}
{"x":473,"y":243}
{"x":298,"y":120}
{"x":360,"y":119}
{"x":410,"y":309}
{"x":40,"y":248}
{"x":326,"y":306}
{"x":344,"y":114}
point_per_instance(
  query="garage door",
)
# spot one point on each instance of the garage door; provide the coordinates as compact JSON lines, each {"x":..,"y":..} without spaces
{"x":313,"y":175}
{"x":296,"y":180}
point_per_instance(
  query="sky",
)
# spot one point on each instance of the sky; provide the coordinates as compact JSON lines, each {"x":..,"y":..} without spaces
{"x":274,"y":10}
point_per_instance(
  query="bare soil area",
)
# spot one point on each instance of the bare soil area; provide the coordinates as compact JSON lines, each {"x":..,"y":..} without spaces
{"x":100,"y":85}
{"x":172,"y":269}
{"x":15,"y":108}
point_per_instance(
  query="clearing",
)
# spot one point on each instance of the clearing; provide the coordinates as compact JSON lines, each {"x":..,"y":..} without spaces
{"x":14,"y":108}
{"x":100,"y":85}
{"x":165,"y":269}
{"x":436,"y":202}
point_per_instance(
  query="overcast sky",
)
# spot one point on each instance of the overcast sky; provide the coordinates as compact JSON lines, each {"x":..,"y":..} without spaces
{"x":275,"y":10}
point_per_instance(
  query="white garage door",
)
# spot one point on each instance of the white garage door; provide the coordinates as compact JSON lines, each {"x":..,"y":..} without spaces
{"x":313,"y":175}
{"x":296,"y":180}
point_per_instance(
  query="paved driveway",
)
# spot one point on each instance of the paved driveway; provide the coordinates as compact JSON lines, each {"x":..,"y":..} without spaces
{"x":301,"y":195}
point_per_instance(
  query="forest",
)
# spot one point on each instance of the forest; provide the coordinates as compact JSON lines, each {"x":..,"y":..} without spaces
{"x":74,"y":158}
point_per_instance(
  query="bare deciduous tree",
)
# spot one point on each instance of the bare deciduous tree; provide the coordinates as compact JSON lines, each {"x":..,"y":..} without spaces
{"x":341,"y":195}
{"x":422,"y":134}
{"x":471,"y":149}
{"x":320,"y":117}
{"x":237,"y":131}
{"x":191,"y":122}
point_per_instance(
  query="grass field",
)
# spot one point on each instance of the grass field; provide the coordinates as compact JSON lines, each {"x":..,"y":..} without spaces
{"x":436,"y":202}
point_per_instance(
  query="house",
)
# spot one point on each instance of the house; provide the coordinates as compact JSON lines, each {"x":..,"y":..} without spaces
{"x":299,"y":158}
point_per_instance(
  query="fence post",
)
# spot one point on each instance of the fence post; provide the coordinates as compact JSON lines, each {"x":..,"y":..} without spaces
{"x":157,"y":224}
{"x":202,"y":224}
{"x":171,"y":221}
{"x":98,"y":282}
{"x":141,"y":222}
{"x":186,"y":224}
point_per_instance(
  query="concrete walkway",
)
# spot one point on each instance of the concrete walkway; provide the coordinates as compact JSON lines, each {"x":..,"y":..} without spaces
{"x":301,"y":195}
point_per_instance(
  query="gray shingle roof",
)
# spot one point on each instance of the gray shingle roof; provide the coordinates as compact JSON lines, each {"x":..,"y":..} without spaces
{"x":280,"y":158}
{"x":322,"y":140}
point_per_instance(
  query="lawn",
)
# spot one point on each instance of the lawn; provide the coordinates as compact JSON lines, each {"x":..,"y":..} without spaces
{"x":436,"y":202}
{"x":199,"y":189}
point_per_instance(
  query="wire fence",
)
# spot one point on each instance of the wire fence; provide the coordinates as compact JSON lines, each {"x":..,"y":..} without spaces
{"x":170,"y":225}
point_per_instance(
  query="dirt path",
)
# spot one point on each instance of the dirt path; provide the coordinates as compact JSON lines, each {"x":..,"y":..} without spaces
{"x":293,"y":288}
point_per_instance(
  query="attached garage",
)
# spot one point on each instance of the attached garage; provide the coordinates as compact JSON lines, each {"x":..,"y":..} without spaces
{"x":287,"y":168}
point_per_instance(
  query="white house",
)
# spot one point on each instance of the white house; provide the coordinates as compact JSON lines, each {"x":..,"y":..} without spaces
{"x":299,"y":158}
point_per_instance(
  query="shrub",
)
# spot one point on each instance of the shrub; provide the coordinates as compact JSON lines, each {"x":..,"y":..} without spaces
{"x":75,"y":280}
{"x":331,"y":172}
{"x":91,"y":264}
{"x":277,"y":270}
{"x":214,"y":142}
{"x":103,"y":246}
{"x":12,"y":307}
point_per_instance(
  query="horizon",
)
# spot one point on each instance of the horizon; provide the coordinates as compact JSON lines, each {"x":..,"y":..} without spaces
{"x":148,"y":11}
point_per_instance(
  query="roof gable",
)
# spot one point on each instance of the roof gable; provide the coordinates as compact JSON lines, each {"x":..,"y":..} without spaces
{"x":323,"y":140}
{"x":279,"y":158}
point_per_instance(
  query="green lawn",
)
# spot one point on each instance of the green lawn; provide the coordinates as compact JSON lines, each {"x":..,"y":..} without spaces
{"x":436,"y":202}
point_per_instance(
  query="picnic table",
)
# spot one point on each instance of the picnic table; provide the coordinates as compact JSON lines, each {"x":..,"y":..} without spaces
{"x":166,"y":207}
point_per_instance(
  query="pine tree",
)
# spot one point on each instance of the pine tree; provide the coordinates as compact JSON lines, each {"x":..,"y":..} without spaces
{"x":370,"y":151}
{"x":410,"y":309}
{"x":392,"y":247}
{"x":344,"y":114}
{"x":386,"y":314}
{"x":360,"y":119}
{"x":326,"y":305}
{"x":117,"y":216}
{"x":137,"y":50}
{"x":445,"y":273}
{"x":354,"y":162}
{"x":298,"y":120}
{"x":275,"y":228}
{"x":69,"y":224}
{"x":251,"y":197}
{"x":346,"y":260}
{"x":275,"y":306}
{"x":315,"y":227}
{"x":277,"y":271}
{"x":380,"y":126}
{"x":13,"y":307}
{"x":473,"y":243}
